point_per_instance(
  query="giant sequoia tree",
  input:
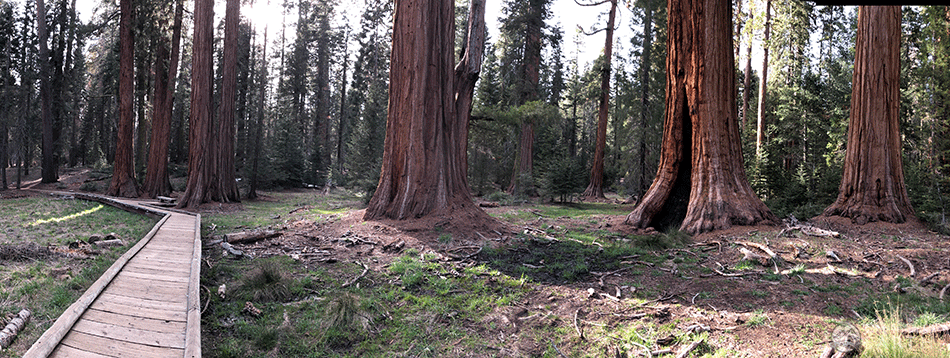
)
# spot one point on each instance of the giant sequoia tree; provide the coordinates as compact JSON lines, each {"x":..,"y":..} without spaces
{"x":701,"y":184}
{"x":423,"y":161}
{"x":200,"y":122}
{"x":123,"y":172}
{"x":872,"y":187}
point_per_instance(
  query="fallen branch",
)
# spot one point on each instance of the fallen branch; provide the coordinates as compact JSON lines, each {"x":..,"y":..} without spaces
{"x":940,"y":328}
{"x":759,"y":246}
{"x":740,"y":274}
{"x":683,"y":352}
{"x":927,"y":279}
{"x":577,"y":327}
{"x":365,"y":270}
{"x":909,"y":264}
{"x":943,"y":292}
{"x":14,"y":327}
{"x":450,"y":254}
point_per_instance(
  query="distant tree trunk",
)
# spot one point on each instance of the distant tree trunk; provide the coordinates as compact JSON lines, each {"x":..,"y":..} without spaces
{"x":200,"y":121}
{"x":595,"y":190}
{"x":341,"y":122}
{"x":747,"y":81}
{"x":421,"y":172}
{"x":259,"y":123}
{"x":524,"y":163}
{"x":760,"y":123}
{"x":123,"y":172}
{"x":224,"y":188}
{"x":872,"y":187}
{"x":49,"y":166}
{"x":466,"y":74}
{"x":156,"y":177}
{"x":701,"y":183}
{"x":645,"y":110}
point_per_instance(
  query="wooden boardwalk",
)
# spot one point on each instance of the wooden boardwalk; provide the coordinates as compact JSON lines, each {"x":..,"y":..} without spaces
{"x":145,"y":305}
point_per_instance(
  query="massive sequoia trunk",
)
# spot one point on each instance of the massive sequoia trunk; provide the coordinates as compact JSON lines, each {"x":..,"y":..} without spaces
{"x":701,"y":184}
{"x":521,"y":176}
{"x":123,"y":172}
{"x":200,"y":139}
{"x":872,"y":187}
{"x":422,"y":172}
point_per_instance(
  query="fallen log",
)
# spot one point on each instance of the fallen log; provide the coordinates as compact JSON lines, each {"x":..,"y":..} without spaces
{"x":940,"y":328}
{"x":357,"y":278}
{"x":14,"y":327}
{"x":249,"y":237}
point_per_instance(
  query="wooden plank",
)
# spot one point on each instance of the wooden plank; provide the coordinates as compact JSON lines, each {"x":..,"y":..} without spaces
{"x":193,"y":331}
{"x":132,"y":335}
{"x":169,"y":259}
{"x":48,"y":341}
{"x":114,"y":348}
{"x":173,"y":311}
{"x":154,"y":266}
{"x":67,"y":351}
{"x":130,"y":320}
{"x":155,"y":276}
{"x":146,"y":286}
{"x":154,"y":270}
{"x":150,"y":293}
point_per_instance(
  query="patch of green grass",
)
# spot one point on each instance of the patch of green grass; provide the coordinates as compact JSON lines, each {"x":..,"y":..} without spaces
{"x":758,"y":318}
{"x":29,"y":225}
{"x":882,"y":338}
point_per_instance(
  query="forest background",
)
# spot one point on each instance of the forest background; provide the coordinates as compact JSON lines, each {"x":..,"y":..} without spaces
{"x":312,"y":91}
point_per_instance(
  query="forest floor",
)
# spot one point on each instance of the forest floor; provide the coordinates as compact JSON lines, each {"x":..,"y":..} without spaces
{"x":576,"y":281}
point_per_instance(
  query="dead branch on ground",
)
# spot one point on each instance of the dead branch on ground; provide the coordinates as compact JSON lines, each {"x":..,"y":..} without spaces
{"x":365,"y":270}
{"x":14,"y":327}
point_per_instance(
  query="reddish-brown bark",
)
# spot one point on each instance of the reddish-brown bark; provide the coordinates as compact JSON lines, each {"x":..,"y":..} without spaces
{"x":872,"y":187}
{"x":156,"y":176}
{"x":49,"y":166}
{"x":595,"y":190}
{"x":466,"y":74}
{"x":701,"y":183}
{"x":123,"y":171}
{"x":200,"y":139}
{"x":421,"y":173}
{"x":224,"y":188}
{"x":531,"y":71}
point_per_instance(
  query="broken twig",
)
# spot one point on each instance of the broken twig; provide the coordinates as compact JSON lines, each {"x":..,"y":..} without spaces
{"x":909,"y":264}
{"x":365,"y":270}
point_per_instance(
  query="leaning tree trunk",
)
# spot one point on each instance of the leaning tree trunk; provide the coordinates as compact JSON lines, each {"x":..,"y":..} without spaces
{"x":421,"y":172}
{"x":200,"y":122}
{"x":701,"y":183}
{"x":123,"y":171}
{"x":595,"y":190}
{"x":872,"y":187}
{"x":466,"y":74}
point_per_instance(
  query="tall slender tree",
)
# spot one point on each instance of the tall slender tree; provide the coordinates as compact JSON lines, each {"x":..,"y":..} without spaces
{"x":595,"y":190}
{"x":49,"y":167}
{"x":872,"y":187}
{"x":224,"y":187}
{"x":200,"y":121}
{"x":156,"y":175}
{"x":763,"y":80}
{"x":701,"y":183}
{"x":123,"y":172}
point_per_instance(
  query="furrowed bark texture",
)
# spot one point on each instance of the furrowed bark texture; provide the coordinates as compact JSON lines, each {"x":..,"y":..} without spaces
{"x":422,"y":171}
{"x":156,"y":177}
{"x":700,"y":184}
{"x":872,"y":187}
{"x":200,"y":140}
{"x":123,"y":172}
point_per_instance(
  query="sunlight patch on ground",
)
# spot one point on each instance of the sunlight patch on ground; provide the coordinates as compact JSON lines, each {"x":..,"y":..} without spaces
{"x":67,"y":217}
